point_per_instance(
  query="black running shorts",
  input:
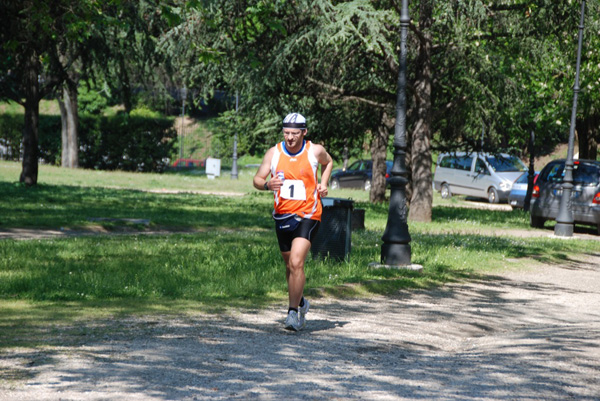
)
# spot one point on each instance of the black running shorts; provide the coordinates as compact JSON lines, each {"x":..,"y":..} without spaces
{"x":306,"y":229}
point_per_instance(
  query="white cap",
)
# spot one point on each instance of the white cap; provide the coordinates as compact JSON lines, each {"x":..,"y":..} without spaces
{"x":294,"y":120}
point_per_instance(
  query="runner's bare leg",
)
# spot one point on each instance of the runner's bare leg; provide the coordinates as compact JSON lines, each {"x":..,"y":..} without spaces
{"x":294,"y":272}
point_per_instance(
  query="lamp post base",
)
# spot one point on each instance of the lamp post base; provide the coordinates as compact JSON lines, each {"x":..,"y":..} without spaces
{"x":395,"y":254}
{"x":413,"y":267}
{"x":563,"y":230}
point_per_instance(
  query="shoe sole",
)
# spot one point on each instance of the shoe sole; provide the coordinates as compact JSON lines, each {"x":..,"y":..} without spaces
{"x":292,"y":328}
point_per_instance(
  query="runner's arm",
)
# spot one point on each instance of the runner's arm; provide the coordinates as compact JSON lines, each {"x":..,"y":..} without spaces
{"x":326,"y":166}
{"x":260,"y":178}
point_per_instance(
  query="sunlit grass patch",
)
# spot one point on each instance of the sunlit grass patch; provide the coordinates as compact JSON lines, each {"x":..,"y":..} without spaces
{"x":202,"y":266}
{"x":80,"y":207}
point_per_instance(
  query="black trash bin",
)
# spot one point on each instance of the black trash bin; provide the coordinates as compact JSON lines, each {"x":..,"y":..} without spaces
{"x":334,"y":237}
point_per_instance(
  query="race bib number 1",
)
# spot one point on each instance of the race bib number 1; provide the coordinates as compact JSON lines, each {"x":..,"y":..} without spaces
{"x":293,"y":189}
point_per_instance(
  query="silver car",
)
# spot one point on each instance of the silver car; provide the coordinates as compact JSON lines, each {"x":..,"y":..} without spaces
{"x":481,"y":175}
{"x":585,"y":196}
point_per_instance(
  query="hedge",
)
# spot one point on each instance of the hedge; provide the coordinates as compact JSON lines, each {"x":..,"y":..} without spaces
{"x":120,"y":142}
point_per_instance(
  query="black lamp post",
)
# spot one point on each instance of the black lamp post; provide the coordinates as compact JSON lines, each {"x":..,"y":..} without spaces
{"x":396,"y":238}
{"x":234,"y":167}
{"x":564,"y":220}
{"x":531,"y":173}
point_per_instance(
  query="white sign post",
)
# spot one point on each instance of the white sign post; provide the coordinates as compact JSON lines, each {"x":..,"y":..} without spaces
{"x":213,"y":168}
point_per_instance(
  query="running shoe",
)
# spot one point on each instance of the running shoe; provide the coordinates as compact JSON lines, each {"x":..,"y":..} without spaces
{"x":292,"y":321}
{"x":304,"y":309}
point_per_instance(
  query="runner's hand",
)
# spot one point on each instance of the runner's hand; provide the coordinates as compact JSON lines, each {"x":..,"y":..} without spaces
{"x":275,"y":183}
{"x":322,"y":190}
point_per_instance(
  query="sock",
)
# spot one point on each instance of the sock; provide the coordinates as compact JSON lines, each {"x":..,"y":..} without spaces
{"x":294,"y":309}
{"x":302,"y":302}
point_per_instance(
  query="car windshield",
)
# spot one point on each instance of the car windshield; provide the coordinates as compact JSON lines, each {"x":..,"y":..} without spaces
{"x":354,"y":166}
{"x":583,"y":173}
{"x":587,"y":174}
{"x":505,"y":164}
{"x":522,"y":179}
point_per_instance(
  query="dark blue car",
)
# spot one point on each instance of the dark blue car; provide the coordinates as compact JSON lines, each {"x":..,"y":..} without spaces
{"x":358,"y":175}
{"x":516,"y":197}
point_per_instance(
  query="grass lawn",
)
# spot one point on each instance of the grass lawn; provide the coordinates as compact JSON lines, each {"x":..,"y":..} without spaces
{"x":229,"y":258}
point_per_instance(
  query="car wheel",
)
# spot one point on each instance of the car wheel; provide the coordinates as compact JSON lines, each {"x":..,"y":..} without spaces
{"x":493,"y":195}
{"x":367,"y":185}
{"x":445,"y":192}
{"x":335,"y":184}
{"x":536,"y":221}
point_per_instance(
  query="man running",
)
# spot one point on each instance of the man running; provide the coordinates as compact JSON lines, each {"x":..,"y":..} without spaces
{"x":293,"y":165}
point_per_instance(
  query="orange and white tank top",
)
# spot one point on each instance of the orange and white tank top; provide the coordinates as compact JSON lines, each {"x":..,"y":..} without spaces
{"x":298,"y":194}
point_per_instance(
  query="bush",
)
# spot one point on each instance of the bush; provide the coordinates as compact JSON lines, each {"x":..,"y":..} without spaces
{"x":128,"y":143}
{"x":11,"y":134}
{"x":50,"y":142}
{"x":91,"y":100}
{"x":141,"y":142}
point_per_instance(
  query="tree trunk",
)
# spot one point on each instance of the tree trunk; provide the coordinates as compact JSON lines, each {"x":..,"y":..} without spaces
{"x":595,"y":138}
{"x":126,"y":86}
{"x":70,"y":98}
{"x":64,"y":134}
{"x":29,"y":174}
{"x":422,"y":192}
{"x":378,"y":155}
{"x":345,"y":154}
{"x":588,"y":132}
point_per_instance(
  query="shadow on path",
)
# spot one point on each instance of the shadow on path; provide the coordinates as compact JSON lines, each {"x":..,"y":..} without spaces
{"x":524,"y":335}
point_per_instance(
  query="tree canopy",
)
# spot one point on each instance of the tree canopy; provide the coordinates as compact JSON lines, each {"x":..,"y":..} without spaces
{"x":502,"y":68}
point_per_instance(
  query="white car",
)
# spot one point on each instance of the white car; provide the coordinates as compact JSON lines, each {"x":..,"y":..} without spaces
{"x":482,"y":175}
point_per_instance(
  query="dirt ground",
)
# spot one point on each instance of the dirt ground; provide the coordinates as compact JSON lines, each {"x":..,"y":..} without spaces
{"x":530,"y":334}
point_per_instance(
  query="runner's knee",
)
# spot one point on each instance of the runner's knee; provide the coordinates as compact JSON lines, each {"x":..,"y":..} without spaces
{"x":295,"y":263}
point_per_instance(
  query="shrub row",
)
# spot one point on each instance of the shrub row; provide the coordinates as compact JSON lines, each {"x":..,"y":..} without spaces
{"x":120,"y":142}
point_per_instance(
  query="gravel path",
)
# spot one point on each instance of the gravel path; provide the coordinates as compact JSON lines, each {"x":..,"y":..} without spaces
{"x":518,"y":335}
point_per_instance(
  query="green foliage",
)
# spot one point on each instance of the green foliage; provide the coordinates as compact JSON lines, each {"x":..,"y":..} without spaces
{"x":143,"y":141}
{"x":50,"y":139}
{"x":144,"y":112}
{"x":503,"y":68}
{"x":130,"y":143}
{"x":507,"y":68}
{"x":91,"y":101}
{"x":511,"y":69}
{"x":11,"y":132}
{"x":275,"y":54}
{"x":124,"y":55}
{"x":11,"y":136}
{"x":230,"y":124}
{"x":157,"y":99}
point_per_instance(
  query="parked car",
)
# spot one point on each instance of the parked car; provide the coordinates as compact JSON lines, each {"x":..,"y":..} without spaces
{"x":188,"y":163}
{"x":516,"y":197}
{"x":358,"y":175}
{"x":585,"y":196}
{"x":482,"y":175}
